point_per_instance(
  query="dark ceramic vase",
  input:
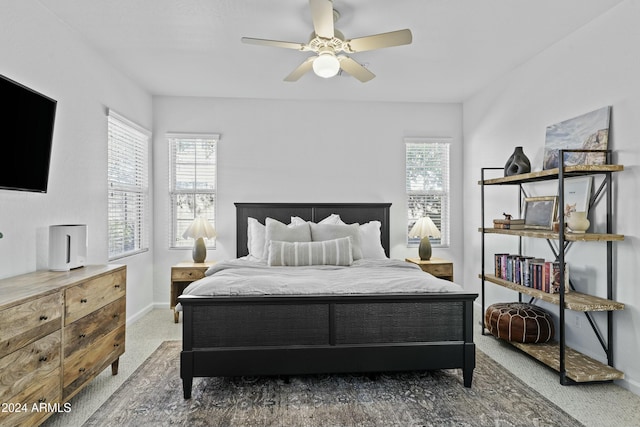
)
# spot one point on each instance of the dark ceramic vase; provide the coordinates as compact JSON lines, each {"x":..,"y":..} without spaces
{"x":518,"y":163}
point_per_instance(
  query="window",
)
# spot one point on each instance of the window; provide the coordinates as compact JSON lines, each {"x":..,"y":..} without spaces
{"x":193,"y":183}
{"x":128,"y":181}
{"x":427,"y":169}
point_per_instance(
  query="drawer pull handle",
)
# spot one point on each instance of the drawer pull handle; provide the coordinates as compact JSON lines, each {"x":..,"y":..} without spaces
{"x":43,"y":317}
{"x":116,"y":345}
{"x":115,"y":316}
{"x":42,"y":400}
{"x":42,"y":359}
{"x":82,"y":336}
{"x":83,"y":300}
{"x":81,"y":370}
{"x":117,"y":286}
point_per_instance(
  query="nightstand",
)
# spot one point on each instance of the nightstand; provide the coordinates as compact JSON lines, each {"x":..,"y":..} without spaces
{"x":182,"y":274}
{"x":437,"y":266}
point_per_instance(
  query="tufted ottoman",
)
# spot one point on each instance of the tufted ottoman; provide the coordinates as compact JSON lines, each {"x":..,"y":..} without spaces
{"x":520,"y":322}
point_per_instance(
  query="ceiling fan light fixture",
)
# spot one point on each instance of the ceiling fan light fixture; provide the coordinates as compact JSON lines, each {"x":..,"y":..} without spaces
{"x":326,"y":65}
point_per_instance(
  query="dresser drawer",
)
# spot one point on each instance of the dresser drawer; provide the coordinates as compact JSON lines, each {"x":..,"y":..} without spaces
{"x":85,"y":331}
{"x":89,"y":296}
{"x":44,"y":391}
{"x":86,"y":364}
{"x":27,"y":322}
{"x":28,"y":365}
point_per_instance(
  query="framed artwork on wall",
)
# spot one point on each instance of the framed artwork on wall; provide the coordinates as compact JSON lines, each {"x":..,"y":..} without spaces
{"x":540,"y":212}
{"x":589,"y":131}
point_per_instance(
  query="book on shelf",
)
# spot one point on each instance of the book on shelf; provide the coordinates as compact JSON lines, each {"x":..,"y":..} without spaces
{"x":509,"y":226}
{"x":500,"y":262}
{"x":527,"y":279}
{"x":545,"y":276}
{"x":536,"y":273}
{"x":555,"y":278}
{"x":508,"y":221}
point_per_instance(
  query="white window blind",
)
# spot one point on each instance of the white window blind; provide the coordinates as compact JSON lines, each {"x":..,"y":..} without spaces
{"x":193,"y":164}
{"x":128,"y":181}
{"x":427,"y":180}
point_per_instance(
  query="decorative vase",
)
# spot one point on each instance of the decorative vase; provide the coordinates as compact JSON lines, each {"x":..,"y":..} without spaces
{"x":518,"y":163}
{"x":578,"y":222}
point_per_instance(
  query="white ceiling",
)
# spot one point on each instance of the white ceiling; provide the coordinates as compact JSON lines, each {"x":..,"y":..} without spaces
{"x":193,"y":48}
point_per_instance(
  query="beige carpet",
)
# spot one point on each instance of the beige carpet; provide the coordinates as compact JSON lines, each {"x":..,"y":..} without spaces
{"x":152,"y":396}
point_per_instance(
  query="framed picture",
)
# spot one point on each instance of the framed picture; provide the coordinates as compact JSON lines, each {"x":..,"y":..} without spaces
{"x":540,"y":212}
{"x":577,"y":194}
{"x":589,"y":131}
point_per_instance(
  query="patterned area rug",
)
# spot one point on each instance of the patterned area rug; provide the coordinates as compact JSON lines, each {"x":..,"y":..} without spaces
{"x":152,"y":396}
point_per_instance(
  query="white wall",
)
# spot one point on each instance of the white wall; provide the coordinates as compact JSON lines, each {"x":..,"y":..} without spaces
{"x":288,"y":151}
{"x":596,"y":66}
{"x":41,"y":53}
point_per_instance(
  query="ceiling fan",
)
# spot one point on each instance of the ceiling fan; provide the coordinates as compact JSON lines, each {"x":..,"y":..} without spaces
{"x":329,"y":45}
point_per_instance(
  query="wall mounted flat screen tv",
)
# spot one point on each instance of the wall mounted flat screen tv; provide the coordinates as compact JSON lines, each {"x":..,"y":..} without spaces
{"x":26,"y":133}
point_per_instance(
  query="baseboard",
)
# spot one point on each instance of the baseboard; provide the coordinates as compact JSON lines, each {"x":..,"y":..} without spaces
{"x":630,"y":385}
{"x":139,"y":315}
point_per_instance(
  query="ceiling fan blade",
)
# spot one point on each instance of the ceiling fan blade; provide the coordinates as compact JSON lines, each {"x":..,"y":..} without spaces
{"x":302,"y":69}
{"x":354,"y":69}
{"x":274,"y":43}
{"x":322,"y":16}
{"x":379,"y":41}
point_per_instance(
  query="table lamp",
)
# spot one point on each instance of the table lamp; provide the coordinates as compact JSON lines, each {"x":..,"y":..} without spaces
{"x":198,"y":230}
{"x":424,"y":228}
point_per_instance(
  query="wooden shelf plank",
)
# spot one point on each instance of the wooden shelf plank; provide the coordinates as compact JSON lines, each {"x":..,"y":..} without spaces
{"x":550,"y":174}
{"x":573,"y":300}
{"x":551,"y":235}
{"x":579,"y":368}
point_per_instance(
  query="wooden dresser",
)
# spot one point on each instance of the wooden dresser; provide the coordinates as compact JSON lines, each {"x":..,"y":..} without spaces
{"x":58,"y":330}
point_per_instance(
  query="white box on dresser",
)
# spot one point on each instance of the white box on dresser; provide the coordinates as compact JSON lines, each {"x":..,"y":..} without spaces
{"x":58,"y":330}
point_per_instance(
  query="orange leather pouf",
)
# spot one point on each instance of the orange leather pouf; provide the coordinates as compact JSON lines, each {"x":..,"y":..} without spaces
{"x":520,"y":322}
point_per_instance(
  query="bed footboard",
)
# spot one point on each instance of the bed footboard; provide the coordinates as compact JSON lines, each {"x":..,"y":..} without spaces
{"x":292,"y":335}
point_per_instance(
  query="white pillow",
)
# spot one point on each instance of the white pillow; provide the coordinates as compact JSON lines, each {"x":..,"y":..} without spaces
{"x":370,"y":242}
{"x":320,"y":232}
{"x":255,"y":238}
{"x":327,"y":252}
{"x":331,"y":219}
{"x":276,"y":230}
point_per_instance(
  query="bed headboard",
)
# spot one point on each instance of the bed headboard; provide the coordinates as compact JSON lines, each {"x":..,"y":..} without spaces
{"x":349,"y":213}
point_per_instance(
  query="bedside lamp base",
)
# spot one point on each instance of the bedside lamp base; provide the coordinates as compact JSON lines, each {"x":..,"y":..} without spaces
{"x":424,"y":251}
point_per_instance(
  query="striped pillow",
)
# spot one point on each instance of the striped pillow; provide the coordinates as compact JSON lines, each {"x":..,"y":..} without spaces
{"x":327,"y":252}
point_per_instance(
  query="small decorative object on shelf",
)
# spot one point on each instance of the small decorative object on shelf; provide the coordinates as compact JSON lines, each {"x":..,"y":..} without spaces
{"x":517,"y":164}
{"x":578,"y":222}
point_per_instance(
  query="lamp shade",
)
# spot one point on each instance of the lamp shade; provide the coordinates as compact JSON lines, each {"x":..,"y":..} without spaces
{"x":326,"y":65}
{"x":200,"y":227}
{"x":424,"y":228}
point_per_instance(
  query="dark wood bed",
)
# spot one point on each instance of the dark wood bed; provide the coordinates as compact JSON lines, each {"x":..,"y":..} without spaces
{"x":313,"y":334}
